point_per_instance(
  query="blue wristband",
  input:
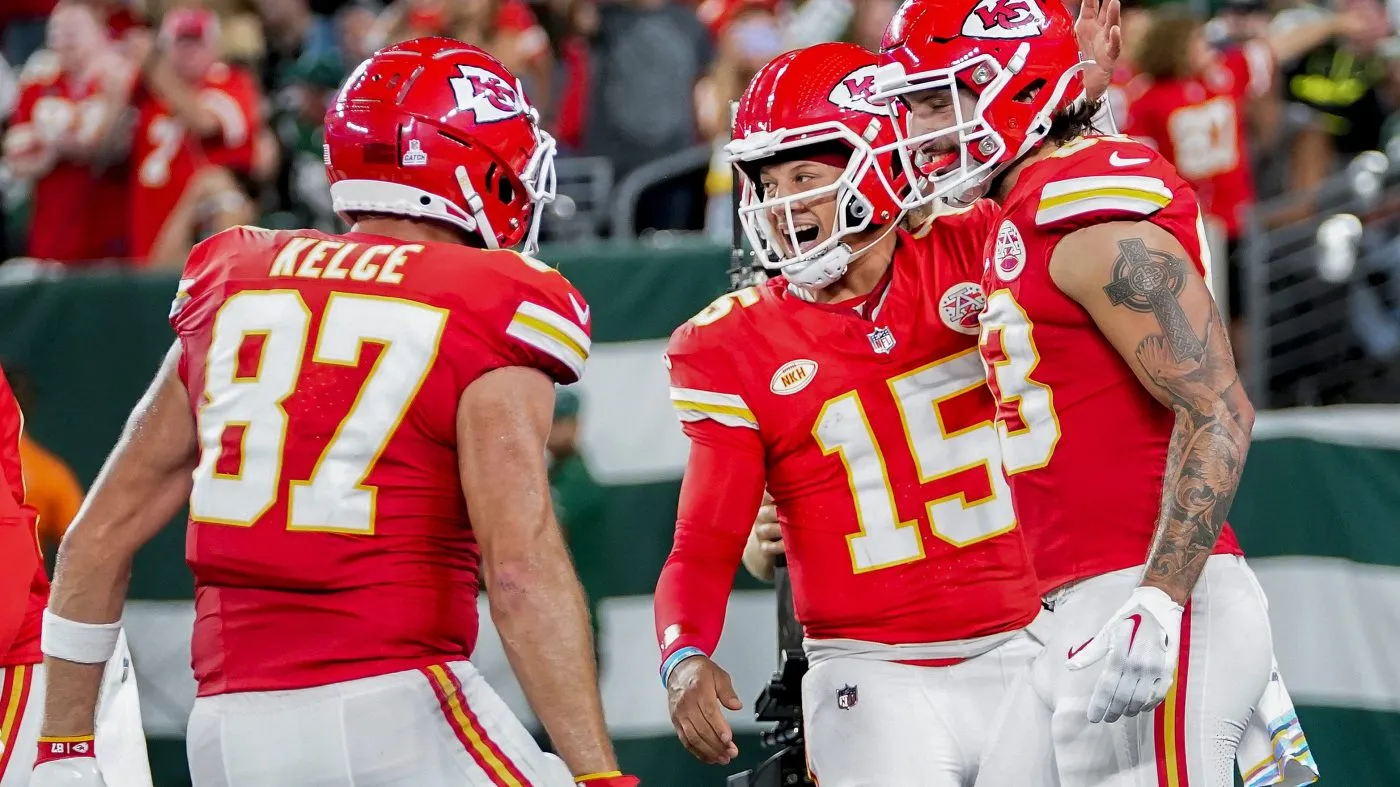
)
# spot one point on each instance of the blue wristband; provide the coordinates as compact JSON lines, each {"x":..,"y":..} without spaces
{"x":676,"y":658}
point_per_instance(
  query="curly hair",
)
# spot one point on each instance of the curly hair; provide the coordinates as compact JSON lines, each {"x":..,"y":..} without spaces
{"x":1075,"y":120}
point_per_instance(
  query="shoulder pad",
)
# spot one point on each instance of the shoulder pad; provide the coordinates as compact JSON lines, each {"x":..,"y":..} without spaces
{"x":704,"y":383}
{"x":1101,"y":179}
{"x":720,"y":307}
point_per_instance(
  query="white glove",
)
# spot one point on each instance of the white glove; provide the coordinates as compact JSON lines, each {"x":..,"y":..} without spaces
{"x":66,"y":764}
{"x":1140,"y":643}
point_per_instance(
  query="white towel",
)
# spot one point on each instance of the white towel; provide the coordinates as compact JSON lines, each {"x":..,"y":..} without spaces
{"x":1273,"y":750}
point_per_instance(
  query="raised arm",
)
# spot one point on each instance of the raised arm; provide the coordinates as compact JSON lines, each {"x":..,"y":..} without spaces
{"x":536,"y":600}
{"x":143,"y":485}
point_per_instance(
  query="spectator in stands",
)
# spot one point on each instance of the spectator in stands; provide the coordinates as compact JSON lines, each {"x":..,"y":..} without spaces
{"x":1347,"y":79}
{"x":747,"y":37}
{"x":648,"y":55}
{"x":1190,"y":102}
{"x":292,"y":31}
{"x":580,"y":24}
{"x":507,"y":29}
{"x":301,"y":109}
{"x":193,"y":112}
{"x":49,"y":484}
{"x":354,"y":24}
{"x":76,"y":207}
{"x":870,"y":20}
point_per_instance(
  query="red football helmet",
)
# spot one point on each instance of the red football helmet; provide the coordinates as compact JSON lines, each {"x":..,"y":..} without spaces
{"x":815,"y":99}
{"x":1018,"y":57}
{"x":435,"y":128}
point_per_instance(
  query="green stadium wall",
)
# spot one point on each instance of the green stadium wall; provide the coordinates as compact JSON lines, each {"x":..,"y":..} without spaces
{"x":1319,"y":515}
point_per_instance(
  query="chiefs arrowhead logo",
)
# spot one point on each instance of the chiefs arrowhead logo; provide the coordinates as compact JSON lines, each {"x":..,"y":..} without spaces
{"x":855,"y":90}
{"x":1004,"y":19}
{"x":488,"y":97}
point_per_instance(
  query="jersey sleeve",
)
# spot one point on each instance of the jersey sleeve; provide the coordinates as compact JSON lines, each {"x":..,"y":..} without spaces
{"x":1122,"y":180}
{"x":720,"y":494}
{"x":703,"y":384}
{"x":549,"y":324}
{"x":197,"y":277}
{"x":1105,"y":179}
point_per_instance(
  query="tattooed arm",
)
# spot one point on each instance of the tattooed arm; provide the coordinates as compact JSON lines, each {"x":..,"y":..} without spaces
{"x":1141,"y":288}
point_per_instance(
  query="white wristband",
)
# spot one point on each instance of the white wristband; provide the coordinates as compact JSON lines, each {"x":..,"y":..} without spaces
{"x":80,"y":643}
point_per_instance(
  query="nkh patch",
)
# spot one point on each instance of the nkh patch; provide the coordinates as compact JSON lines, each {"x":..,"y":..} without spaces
{"x":847,"y":697}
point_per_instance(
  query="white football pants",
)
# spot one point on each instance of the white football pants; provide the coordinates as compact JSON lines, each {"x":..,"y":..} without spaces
{"x":1043,"y":738}
{"x":871,"y":723}
{"x":120,"y":740}
{"x":439,"y":726}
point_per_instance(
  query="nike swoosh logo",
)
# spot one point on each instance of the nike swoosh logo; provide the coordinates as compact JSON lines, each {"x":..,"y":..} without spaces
{"x":1136,"y":618}
{"x":1075,"y":651}
{"x":1118,"y":161}
{"x":580,"y":310}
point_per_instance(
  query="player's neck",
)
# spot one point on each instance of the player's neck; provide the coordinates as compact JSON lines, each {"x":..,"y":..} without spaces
{"x":864,"y":274}
{"x":408,"y":230}
{"x":1009,"y":178}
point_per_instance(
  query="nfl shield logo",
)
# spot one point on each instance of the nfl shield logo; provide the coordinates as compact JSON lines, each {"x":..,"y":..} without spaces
{"x":846,"y":697}
{"x":882,"y":340}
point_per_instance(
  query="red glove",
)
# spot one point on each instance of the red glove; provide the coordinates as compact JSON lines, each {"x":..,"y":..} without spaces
{"x":609,"y":779}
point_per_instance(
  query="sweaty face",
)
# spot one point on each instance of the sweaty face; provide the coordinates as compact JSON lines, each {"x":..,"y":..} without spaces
{"x":807,"y":220}
{"x":934,"y":111}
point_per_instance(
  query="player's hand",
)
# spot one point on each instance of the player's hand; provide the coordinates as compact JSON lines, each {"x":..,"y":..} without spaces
{"x":766,"y":529}
{"x":66,"y":763}
{"x":614,"y":779}
{"x":1139,"y":649}
{"x":1100,"y":38}
{"x":695,"y":690}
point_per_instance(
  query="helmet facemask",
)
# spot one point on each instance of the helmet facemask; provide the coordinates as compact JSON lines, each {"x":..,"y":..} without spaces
{"x":956,"y":162}
{"x":771,"y":223}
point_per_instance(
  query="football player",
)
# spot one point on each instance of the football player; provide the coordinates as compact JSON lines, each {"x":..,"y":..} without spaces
{"x":859,"y":399}
{"x":357,"y":423}
{"x":1123,"y":424}
{"x":24,"y":590}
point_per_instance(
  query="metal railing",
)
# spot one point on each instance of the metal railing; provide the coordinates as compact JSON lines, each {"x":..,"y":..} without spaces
{"x":630,"y":189}
{"x":1321,"y":294}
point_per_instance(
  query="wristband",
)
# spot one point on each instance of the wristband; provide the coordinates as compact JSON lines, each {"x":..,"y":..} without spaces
{"x":51,"y":749}
{"x":80,"y":643}
{"x":593,"y":777}
{"x":676,"y":658}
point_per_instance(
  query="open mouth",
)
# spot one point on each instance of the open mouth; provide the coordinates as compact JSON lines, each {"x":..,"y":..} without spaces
{"x":805,"y":235}
{"x":935,"y":163}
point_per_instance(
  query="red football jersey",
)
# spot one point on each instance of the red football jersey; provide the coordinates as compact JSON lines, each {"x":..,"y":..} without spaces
{"x":1200,"y":126}
{"x":328,"y":535}
{"x":76,"y":215}
{"x":878,"y":443}
{"x":1083,"y":442}
{"x":165,"y":156}
{"x":15,"y":513}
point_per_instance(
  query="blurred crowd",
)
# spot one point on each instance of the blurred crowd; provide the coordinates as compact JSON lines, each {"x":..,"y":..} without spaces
{"x":135,"y":128}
